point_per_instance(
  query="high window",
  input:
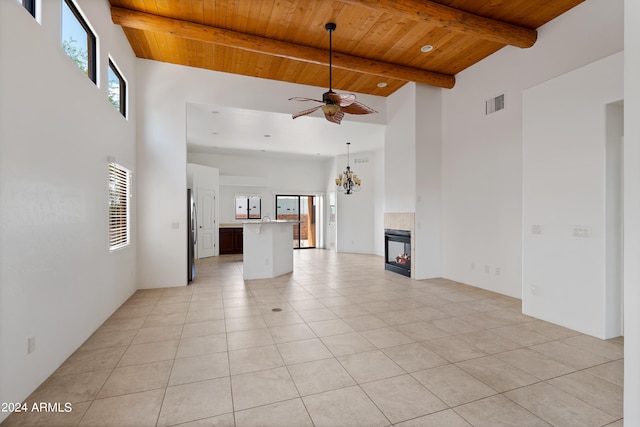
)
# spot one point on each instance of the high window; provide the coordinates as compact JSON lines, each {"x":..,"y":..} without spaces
{"x":119,"y":206}
{"x":78,"y":40}
{"x":30,"y":5}
{"x":117,"y":89}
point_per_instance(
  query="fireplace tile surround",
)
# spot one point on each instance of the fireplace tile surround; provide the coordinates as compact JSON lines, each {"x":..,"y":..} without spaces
{"x":402,"y":221}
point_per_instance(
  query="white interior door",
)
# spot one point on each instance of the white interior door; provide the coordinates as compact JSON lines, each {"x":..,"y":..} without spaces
{"x":206,"y":222}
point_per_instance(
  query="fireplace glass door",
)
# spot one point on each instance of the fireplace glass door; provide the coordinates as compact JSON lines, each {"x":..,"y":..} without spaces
{"x":398,"y":251}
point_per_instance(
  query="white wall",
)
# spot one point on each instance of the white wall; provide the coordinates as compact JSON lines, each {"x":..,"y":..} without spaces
{"x":379,"y":202}
{"x":358,"y":214}
{"x":58,"y":280}
{"x":614,"y":219}
{"x":631,"y":213}
{"x":482,"y":155}
{"x":399,"y":151}
{"x":162,"y":181}
{"x":564,"y":183}
{"x":428,"y":164}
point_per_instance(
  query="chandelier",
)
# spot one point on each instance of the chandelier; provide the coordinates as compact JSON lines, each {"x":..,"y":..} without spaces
{"x":348,"y":182}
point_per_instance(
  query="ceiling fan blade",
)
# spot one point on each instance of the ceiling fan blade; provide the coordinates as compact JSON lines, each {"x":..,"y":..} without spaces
{"x":305,"y":112}
{"x":335,"y":118}
{"x":342,"y":99}
{"x":357,"y":108}
{"x":300,"y":98}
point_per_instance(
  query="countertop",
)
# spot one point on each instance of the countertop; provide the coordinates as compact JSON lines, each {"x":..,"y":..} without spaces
{"x":273,"y":221}
{"x":256,"y":221}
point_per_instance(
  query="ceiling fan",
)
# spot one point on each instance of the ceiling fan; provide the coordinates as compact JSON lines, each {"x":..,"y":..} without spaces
{"x":335,"y":104}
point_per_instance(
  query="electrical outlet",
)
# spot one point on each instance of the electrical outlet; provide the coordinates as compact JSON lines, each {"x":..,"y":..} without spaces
{"x":31,"y":345}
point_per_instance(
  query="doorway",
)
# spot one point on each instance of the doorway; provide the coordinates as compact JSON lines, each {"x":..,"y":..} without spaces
{"x":299,"y":208}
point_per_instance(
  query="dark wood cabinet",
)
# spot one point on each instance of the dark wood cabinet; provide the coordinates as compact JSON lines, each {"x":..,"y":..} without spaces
{"x":230,"y":241}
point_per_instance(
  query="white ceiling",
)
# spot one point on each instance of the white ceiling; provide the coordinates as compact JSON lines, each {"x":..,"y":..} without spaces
{"x":226,"y":130}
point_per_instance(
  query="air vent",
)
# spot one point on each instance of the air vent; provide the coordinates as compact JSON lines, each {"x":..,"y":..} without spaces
{"x":495,"y":104}
{"x":361,"y":160}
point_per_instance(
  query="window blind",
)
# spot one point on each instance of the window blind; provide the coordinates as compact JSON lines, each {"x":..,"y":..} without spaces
{"x":119,"y":181}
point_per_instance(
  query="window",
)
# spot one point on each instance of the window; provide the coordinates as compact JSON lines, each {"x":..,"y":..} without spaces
{"x":119,"y":206}
{"x":117,"y":90}
{"x":30,"y":5}
{"x":78,"y":41}
{"x":248,"y":207}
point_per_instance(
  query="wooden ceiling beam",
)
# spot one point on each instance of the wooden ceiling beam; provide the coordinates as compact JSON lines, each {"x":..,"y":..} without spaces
{"x":455,"y":20}
{"x":208,"y":34}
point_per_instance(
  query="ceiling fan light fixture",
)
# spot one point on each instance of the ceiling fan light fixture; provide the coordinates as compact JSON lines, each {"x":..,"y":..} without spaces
{"x":330,"y":109}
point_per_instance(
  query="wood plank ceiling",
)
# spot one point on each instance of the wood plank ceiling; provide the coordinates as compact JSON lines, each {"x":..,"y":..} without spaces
{"x":376,"y":41}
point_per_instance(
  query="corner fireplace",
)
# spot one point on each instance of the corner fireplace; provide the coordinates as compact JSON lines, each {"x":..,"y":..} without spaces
{"x":397,"y":251}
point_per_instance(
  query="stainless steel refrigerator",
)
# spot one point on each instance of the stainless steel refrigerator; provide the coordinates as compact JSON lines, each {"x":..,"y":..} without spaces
{"x":192,"y":236}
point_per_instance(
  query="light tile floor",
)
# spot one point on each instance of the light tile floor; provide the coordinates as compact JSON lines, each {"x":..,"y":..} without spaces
{"x":352,"y":345}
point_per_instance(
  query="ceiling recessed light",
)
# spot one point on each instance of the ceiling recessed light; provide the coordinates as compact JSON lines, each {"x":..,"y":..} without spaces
{"x":426,"y":48}
{"x":382,"y":84}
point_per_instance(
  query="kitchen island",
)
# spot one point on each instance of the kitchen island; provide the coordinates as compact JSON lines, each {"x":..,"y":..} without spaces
{"x":268,"y":248}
